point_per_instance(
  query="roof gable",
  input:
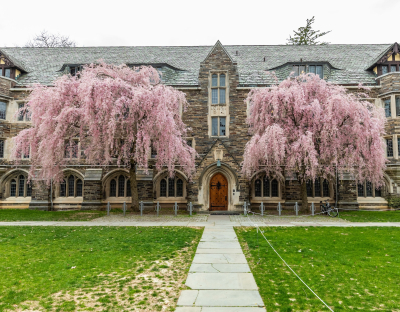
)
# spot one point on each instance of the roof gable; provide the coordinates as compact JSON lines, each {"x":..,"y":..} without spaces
{"x":218,"y":45}
{"x":383,"y":57}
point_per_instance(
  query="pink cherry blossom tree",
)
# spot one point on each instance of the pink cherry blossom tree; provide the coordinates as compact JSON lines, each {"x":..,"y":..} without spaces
{"x":118,"y":114}
{"x":307,"y":126}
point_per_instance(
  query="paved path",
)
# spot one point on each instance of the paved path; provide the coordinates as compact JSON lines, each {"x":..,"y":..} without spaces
{"x":220,"y":278}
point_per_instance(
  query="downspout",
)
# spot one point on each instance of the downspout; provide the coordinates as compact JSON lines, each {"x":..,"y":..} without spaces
{"x":51,"y":195}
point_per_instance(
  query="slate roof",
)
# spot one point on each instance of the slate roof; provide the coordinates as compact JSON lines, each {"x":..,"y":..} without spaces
{"x":349,"y":62}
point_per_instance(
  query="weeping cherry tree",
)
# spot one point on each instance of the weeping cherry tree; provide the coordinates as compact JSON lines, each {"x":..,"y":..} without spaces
{"x":306,"y":127}
{"x":118,"y":114}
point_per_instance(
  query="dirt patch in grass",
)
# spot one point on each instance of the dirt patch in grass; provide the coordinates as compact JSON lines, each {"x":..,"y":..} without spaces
{"x":153,"y":289}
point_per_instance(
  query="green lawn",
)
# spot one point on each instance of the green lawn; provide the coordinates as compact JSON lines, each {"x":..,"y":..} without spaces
{"x":37,"y":215}
{"x":349,"y":268}
{"x":370,"y":216}
{"x":94,"y":268}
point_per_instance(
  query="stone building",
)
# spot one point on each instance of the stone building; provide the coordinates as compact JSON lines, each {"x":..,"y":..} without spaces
{"x":216,"y":80}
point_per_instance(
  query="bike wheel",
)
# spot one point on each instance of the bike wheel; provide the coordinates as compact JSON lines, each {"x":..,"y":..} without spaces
{"x":333,"y":212}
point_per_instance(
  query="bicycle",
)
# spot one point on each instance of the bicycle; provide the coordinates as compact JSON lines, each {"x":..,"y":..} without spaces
{"x":329,"y":210}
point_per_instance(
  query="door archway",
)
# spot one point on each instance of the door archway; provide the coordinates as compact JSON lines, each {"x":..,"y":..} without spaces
{"x":218,"y":192}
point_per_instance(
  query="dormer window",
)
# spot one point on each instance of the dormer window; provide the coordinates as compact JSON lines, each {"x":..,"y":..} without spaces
{"x":314,"y":69}
{"x":73,"y":70}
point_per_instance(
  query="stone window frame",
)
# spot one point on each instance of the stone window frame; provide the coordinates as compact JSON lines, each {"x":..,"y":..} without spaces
{"x":165,"y":176}
{"x":218,"y":110}
{"x":16,"y":177}
{"x":26,"y":117}
{"x":115,"y":176}
{"x":365,"y":195}
{"x":6,"y":104}
{"x":395,"y":146}
{"x":2,"y":148}
{"x":66,"y":178}
{"x":218,"y":87}
{"x":262,"y":197}
{"x":321,"y":181}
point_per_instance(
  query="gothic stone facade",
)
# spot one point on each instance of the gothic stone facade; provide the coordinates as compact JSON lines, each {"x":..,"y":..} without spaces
{"x":216,"y":81}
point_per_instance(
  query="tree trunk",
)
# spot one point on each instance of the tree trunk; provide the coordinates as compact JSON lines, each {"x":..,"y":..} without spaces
{"x":134,"y":191}
{"x":304,"y":199}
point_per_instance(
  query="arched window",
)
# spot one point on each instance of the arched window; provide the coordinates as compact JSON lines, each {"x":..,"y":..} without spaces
{"x":314,"y":188}
{"x":79,"y":188}
{"x":163,"y":188}
{"x":113,"y":188}
{"x":367,"y":189}
{"x":71,"y":186}
{"x":173,"y":188}
{"x":19,"y":186}
{"x":266,"y":188}
{"x":121,"y":186}
{"x":13,"y":188}
{"x":179,"y":188}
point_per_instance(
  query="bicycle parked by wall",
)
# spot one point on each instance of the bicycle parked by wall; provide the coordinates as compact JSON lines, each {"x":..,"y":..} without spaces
{"x":329,"y":210}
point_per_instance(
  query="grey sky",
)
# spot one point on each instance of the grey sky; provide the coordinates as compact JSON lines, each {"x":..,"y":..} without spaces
{"x":180,"y":22}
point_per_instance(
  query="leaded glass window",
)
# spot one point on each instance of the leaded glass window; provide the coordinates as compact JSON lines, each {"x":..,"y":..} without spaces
{"x":121,"y":186}
{"x":74,"y":149}
{"x":215,"y":80}
{"x":378,"y":192}
{"x":319,"y":71}
{"x":397,"y":106}
{"x":71,"y":186}
{"x":163,"y":188}
{"x":384,"y":69}
{"x":360,"y":188}
{"x":79,"y":188}
{"x":266,"y":188}
{"x":274,"y":188}
{"x":257,"y":188}
{"x":128,"y":189}
{"x":309,"y":188}
{"x":7,"y":73}
{"x":171,"y":187}
{"x":179,"y":188}
{"x":388,"y":111}
{"x":113,"y":188}
{"x":3,"y":109}
{"x":20,"y":112}
{"x":29,"y":189}
{"x":317,"y":188}
{"x":21,"y":186}
{"x":325,"y":188}
{"x":222,"y":128}
{"x":389,"y":147}
{"x":393,"y":68}
{"x":1,"y":148}
{"x":369,"y":189}
{"x":63,"y":189}
{"x":214,"y":96}
{"x":218,"y":89}
{"x":222,"y":96}
{"x":214,"y":130}
{"x":311,"y":69}
{"x":13,"y":188}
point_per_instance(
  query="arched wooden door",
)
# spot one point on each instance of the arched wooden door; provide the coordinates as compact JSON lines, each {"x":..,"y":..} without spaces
{"x":218,"y":192}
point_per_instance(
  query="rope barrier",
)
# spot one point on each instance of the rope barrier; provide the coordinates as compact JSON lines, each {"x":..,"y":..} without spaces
{"x":262,"y":233}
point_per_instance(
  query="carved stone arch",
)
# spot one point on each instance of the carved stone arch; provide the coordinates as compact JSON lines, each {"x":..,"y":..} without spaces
{"x":229,"y":170}
{"x":115,"y":174}
{"x":68,"y":171}
{"x":5,"y":180}
{"x":388,"y":183}
{"x":261,"y":172}
{"x":204,"y":185}
{"x":157,"y":177}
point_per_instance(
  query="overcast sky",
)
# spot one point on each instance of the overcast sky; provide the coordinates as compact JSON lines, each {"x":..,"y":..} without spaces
{"x":188,"y":22}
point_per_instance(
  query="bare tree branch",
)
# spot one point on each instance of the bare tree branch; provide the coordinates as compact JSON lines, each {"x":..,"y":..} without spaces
{"x":46,"y":40}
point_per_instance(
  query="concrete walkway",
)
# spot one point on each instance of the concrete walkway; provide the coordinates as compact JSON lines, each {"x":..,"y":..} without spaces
{"x":219,"y":277}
